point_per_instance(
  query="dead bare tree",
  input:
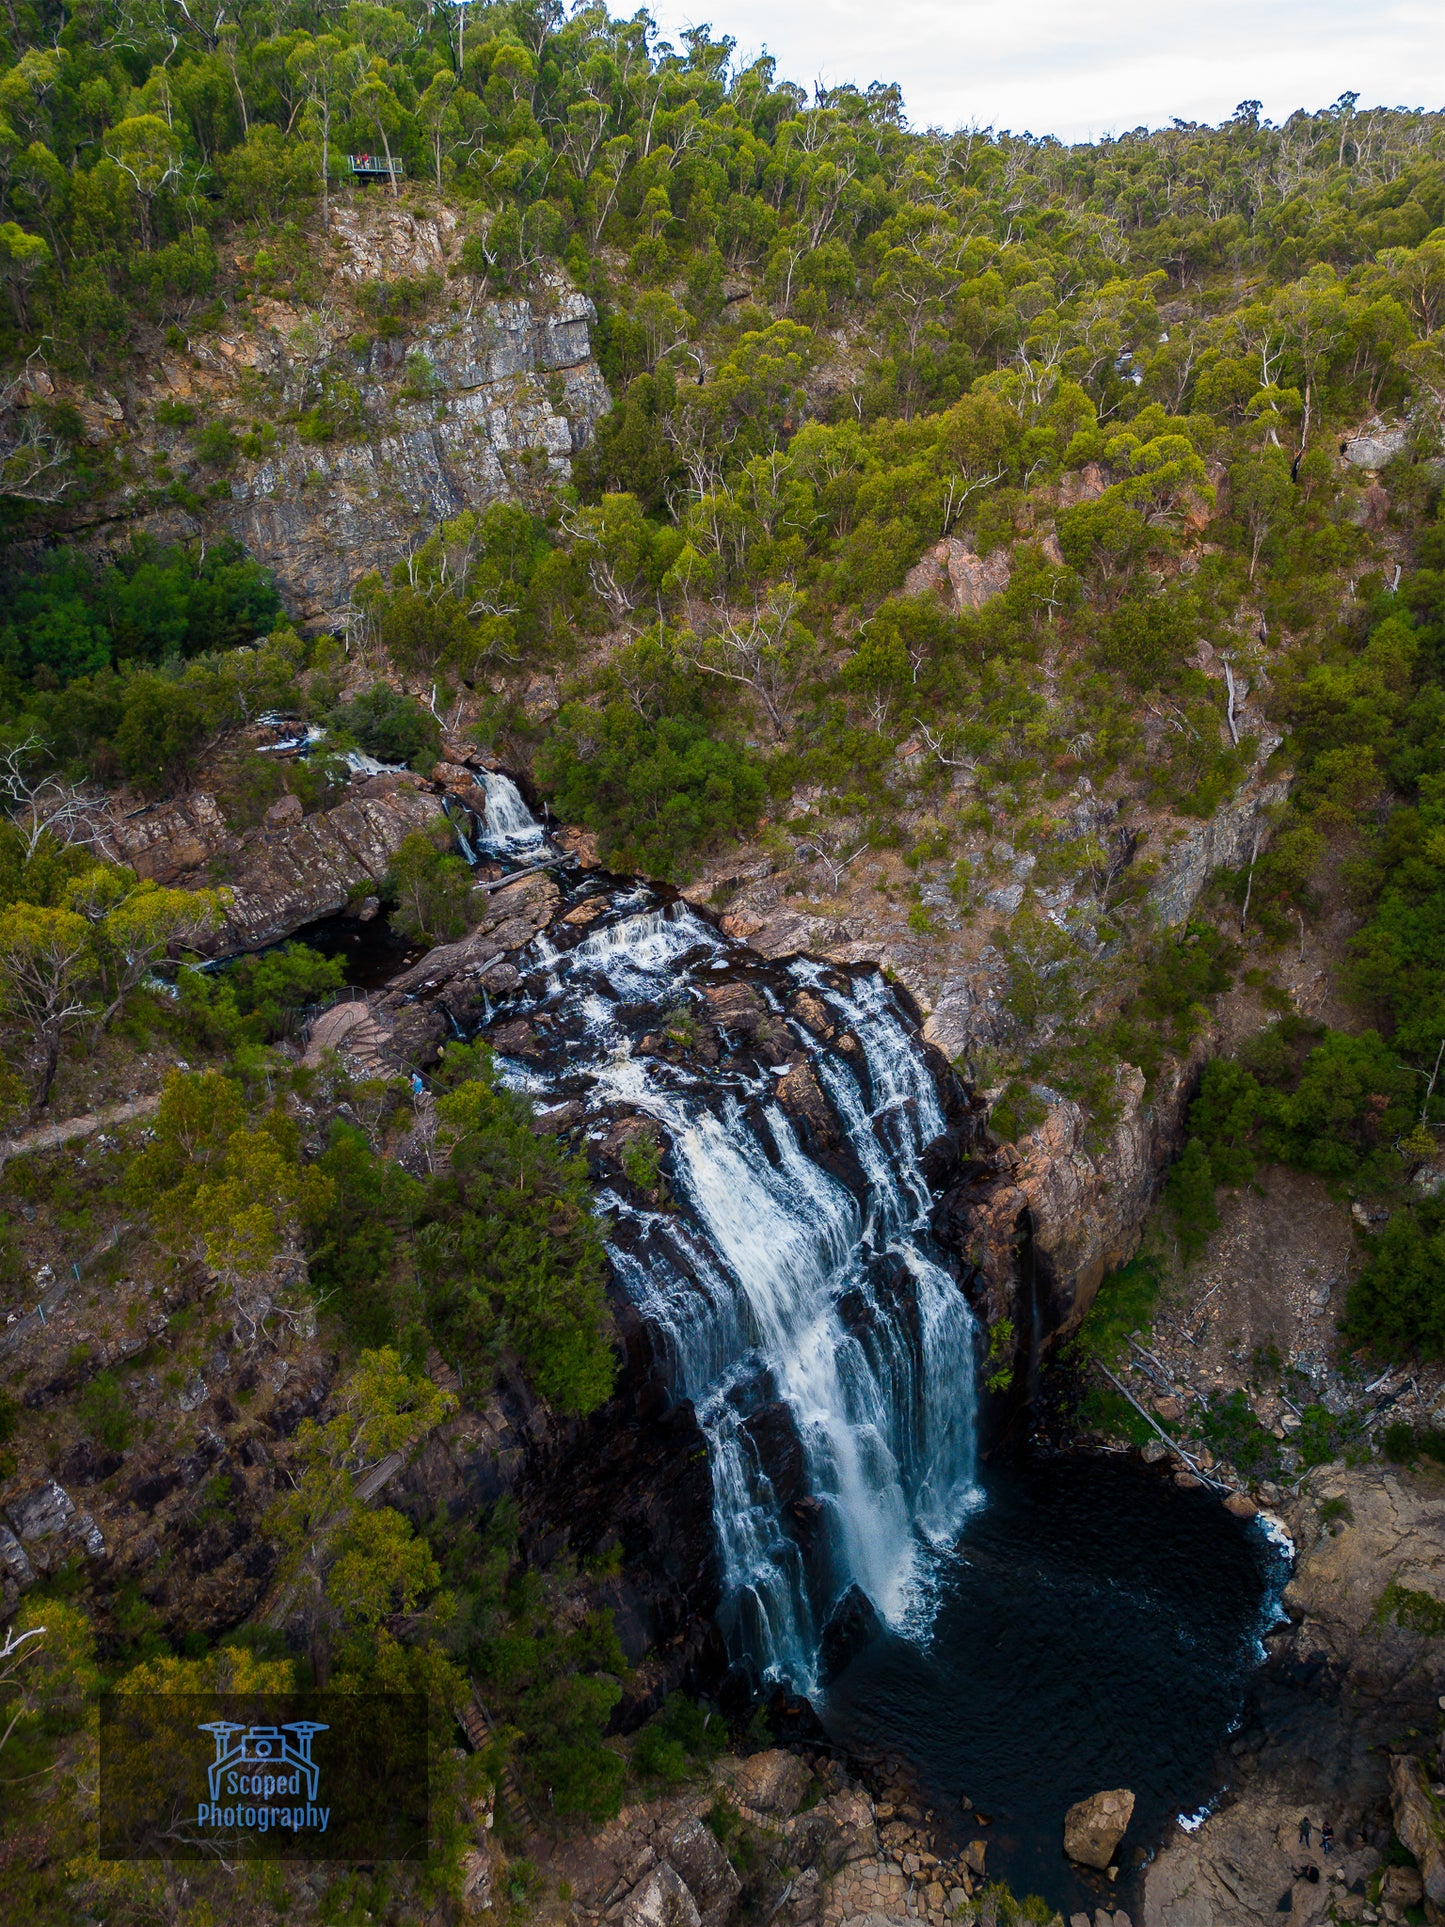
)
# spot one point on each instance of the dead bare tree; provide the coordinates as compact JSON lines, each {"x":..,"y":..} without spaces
{"x":35,"y":463}
{"x":829,"y":849}
{"x":764,"y":652}
{"x":936,"y":745}
{"x":47,"y":804}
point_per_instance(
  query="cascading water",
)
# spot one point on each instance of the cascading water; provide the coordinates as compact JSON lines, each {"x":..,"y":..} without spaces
{"x":510,"y":829}
{"x":792,"y":1295}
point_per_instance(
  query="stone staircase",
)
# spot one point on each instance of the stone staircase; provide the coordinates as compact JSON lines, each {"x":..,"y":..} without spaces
{"x":476,"y":1723}
{"x":445,"y":1377}
{"x":350,"y":1028}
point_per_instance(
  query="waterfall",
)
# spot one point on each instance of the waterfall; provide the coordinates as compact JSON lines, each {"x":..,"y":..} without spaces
{"x":796,"y":1302}
{"x":510,"y":828}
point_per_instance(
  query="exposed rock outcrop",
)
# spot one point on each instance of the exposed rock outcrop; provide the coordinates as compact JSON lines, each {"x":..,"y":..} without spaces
{"x":952,"y":570}
{"x":458,"y":975}
{"x":1094,"y":1827}
{"x":452,"y":410}
{"x":772,"y":1782}
{"x":50,"y":1526}
{"x":1326,"y":1736}
{"x":283,"y":874}
{"x":661,"y":1899}
{"x":1224,"y":842}
{"x":1375,"y":444}
{"x":1419,"y":1821}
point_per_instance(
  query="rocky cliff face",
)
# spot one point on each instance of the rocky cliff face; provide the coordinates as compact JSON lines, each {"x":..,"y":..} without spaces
{"x":288,"y":872}
{"x":394,"y":430}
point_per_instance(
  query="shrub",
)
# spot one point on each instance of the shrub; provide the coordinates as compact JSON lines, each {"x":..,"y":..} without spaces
{"x":391,"y":727}
{"x":431,"y":888}
{"x":1189,"y":1193}
{"x":658,"y":790}
{"x":105,"y":1412}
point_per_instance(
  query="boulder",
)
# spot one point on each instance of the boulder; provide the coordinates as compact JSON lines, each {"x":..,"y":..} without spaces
{"x":952,"y":568}
{"x":736,"y":1006}
{"x":802,"y":1098}
{"x":476,"y":1882}
{"x":1419,"y":1821}
{"x":1374,"y":444}
{"x":1081,"y":485}
{"x":772,"y":1782}
{"x":852,"y":1626}
{"x":1094,"y":1827}
{"x":660,"y":1899}
{"x":1403,"y":1886}
{"x":693,"y":1849}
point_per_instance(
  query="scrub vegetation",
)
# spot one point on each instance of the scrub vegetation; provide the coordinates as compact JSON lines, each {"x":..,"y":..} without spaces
{"x":962,"y":495}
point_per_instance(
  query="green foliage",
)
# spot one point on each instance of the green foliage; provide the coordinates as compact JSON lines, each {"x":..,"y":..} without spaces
{"x":431,"y":889}
{"x":1340,"y":1114}
{"x":1189,"y":1191}
{"x":105,"y":1412}
{"x":1235,"y":1434}
{"x":1123,"y":1305}
{"x":998,"y":1365}
{"x":509,"y":1254}
{"x":1419,"y":1612}
{"x":269,"y":992}
{"x":641,"y":1161}
{"x":1397,"y":1303}
{"x":549,"y":1678}
{"x":390,"y":726}
{"x":359,"y":1256}
{"x":678,"y":1741}
{"x":151,"y":605}
{"x":652,"y":776}
{"x":1324,"y":1436}
{"x":1183,"y":974}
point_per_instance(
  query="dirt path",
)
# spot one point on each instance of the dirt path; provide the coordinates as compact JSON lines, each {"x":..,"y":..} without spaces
{"x":47,"y":1137}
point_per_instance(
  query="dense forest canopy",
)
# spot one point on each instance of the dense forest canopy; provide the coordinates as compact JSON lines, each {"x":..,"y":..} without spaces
{"x":976,"y":518}
{"x":1131,"y":386}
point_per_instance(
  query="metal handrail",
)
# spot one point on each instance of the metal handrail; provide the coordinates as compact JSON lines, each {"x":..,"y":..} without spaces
{"x":371,"y":164}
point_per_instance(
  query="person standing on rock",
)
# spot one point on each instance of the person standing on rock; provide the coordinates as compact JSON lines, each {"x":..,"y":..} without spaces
{"x":1304,"y":1831}
{"x":1327,"y":1837}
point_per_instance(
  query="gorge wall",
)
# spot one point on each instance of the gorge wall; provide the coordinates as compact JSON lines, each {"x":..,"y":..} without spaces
{"x":402,"y":426}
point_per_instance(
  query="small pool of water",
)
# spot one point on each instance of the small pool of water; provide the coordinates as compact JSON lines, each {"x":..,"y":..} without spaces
{"x":1096,"y":1627}
{"x":373,"y":952}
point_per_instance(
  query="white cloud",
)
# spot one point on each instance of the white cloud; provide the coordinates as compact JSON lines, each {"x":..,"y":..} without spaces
{"x":1081,"y":68}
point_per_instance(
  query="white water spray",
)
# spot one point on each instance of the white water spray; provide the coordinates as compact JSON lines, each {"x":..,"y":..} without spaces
{"x":510,"y":828}
{"x":776,"y":1283}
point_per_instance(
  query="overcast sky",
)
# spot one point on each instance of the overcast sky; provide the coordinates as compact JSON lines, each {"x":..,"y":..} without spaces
{"x":1082,"y":68}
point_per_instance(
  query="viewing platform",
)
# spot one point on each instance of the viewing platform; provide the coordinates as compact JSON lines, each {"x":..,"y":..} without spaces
{"x":374,"y":167}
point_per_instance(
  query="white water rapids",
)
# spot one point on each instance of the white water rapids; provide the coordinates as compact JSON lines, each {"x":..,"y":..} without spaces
{"x":773,"y":1282}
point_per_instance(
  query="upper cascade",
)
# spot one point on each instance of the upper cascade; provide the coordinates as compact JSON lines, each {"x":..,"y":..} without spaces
{"x":510,"y":829}
{"x":781,"y":1263}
